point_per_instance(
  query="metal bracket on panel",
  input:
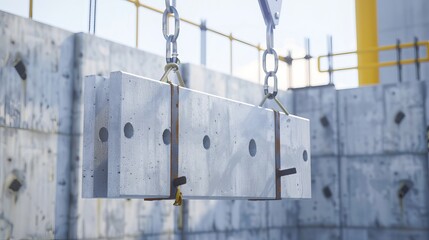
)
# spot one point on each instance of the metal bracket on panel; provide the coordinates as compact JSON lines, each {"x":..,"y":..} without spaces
{"x":271,"y":11}
{"x":179,"y":181}
{"x":286,"y":172}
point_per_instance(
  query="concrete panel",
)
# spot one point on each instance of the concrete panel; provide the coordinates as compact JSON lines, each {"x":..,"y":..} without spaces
{"x":103,"y":218}
{"x":219,"y":216}
{"x":282,"y":213}
{"x":42,"y":101}
{"x":295,"y":153}
{"x":361,"y":119}
{"x":139,"y":131}
{"x":165,"y":236}
{"x":223,"y":145}
{"x":98,"y":56}
{"x":371,"y":121}
{"x":319,"y":105}
{"x":384,"y":234}
{"x":95,"y":140}
{"x":154,"y":217}
{"x":283,"y":234}
{"x":206,"y":236}
{"x":385,"y":191}
{"x":256,"y":234}
{"x":62,"y":188}
{"x":408,"y":134}
{"x":30,"y":202}
{"x":323,"y":209}
{"x":319,"y":233}
{"x":249,"y":215}
{"x":227,"y":86}
{"x":135,"y":61}
{"x":209,"y":216}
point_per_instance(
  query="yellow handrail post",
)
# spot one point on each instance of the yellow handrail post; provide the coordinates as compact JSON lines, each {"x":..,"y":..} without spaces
{"x":137,"y":23}
{"x":367,"y":38}
{"x":30,"y":12}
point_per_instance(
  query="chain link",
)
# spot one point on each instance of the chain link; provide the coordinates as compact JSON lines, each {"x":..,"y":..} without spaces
{"x":270,"y":36}
{"x":273,"y":73}
{"x":171,"y":39}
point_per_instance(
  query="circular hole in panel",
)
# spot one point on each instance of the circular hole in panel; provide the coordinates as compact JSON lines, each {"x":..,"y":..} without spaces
{"x":305,"y":155}
{"x":128,"y":130}
{"x":103,"y":134}
{"x":206,"y":142}
{"x":166,"y":136}
{"x":252,"y":148}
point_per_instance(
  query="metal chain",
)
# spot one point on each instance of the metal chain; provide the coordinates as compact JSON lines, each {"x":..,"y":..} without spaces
{"x":270,"y":73}
{"x":171,"y":44}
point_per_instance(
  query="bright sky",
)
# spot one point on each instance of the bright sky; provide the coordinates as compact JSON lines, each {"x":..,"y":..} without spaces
{"x":299,"y":19}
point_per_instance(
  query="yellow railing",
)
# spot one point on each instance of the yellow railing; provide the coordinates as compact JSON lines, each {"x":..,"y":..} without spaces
{"x":379,"y":64}
{"x":288,"y":59}
{"x":202,"y":26}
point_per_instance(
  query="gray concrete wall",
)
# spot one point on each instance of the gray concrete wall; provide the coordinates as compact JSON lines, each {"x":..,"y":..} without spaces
{"x":362,"y":158}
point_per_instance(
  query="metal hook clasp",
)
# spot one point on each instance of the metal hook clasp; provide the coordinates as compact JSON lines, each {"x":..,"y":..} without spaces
{"x":175,"y":68}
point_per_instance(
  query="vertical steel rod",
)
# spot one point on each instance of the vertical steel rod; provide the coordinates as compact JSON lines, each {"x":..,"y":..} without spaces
{"x":289,"y":61}
{"x":137,"y":23}
{"x":398,"y":59}
{"x":308,"y":58}
{"x":330,"y":60}
{"x":95,"y":15}
{"x":417,"y":55}
{"x":89,"y":16}
{"x":203,"y":44}
{"x":230,"y":54}
{"x":30,"y":14}
{"x":92,"y":15}
{"x":259,"y":64}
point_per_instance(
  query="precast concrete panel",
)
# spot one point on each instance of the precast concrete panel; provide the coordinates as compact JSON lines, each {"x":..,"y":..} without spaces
{"x":382,"y":119}
{"x":295,"y":152}
{"x":404,"y":127}
{"x":31,"y":197}
{"x":207,"y":215}
{"x":319,"y":104}
{"x":323,"y":209}
{"x":311,"y":233}
{"x":39,"y":95}
{"x":231,"y":87}
{"x":94,"y":55}
{"x":95,"y":137}
{"x":283,"y":234}
{"x":139,"y":137}
{"x":283,"y":214}
{"x":226,"y":148}
{"x":396,"y":185}
{"x":361,"y":120}
{"x":384,"y":234}
{"x":248,"y":215}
